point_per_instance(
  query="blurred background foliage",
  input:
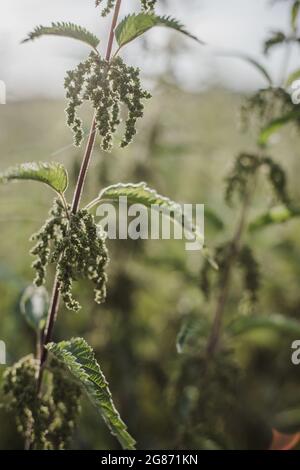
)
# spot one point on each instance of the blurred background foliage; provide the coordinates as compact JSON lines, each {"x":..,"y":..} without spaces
{"x":167,"y":395}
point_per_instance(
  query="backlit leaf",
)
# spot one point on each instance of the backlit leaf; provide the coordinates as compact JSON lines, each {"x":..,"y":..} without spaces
{"x":68,"y":30}
{"x":133,"y":26}
{"x":53,"y":174}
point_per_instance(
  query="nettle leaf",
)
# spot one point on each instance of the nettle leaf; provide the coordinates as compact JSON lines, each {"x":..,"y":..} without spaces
{"x":133,"y":26}
{"x":53,"y":174}
{"x":68,"y":30}
{"x":78,"y":357}
{"x":136,"y":193}
{"x":34,"y":306}
{"x":275,"y":322}
{"x":140,"y":193}
{"x":276,"y":215}
{"x":275,"y":125}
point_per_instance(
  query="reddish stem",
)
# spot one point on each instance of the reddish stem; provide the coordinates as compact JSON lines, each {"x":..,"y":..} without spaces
{"x":75,"y":205}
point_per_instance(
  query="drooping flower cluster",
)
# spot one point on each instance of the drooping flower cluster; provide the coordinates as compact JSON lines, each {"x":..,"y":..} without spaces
{"x":277,"y":179}
{"x":47,"y":422}
{"x":246,"y":261}
{"x":237,"y":182}
{"x":266,"y":105}
{"x":64,"y":403}
{"x":251,"y":271}
{"x":246,"y":166}
{"x":147,"y":5}
{"x":54,"y":229}
{"x":108,"y":8}
{"x":107,"y":86}
{"x":19,"y":381}
{"x":221,"y":256}
{"x":81,"y":254}
{"x":77,"y":246}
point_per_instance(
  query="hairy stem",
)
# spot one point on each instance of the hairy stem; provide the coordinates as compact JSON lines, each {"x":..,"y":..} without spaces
{"x":214,"y":337}
{"x":75,"y":205}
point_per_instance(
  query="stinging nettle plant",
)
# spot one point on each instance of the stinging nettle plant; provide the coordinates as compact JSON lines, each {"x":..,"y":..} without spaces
{"x":45,"y":399}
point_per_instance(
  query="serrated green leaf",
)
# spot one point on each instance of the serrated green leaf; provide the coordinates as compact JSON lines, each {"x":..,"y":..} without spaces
{"x":140,"y":193}
{"x":261,"y":68}
{"x":78,"y":357}
{"x":68,"y":30}
{"x":276,"y":215}
{"x":133,"y":26}
{"x":53,"y":174}
{"x":276,"y":125}
{"x":294,"y":14}
{"x":275,"y":322}
{"x":34,"y":306}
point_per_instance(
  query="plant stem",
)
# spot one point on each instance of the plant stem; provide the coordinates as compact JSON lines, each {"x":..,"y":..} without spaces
{"x":112,"y":30}
{"x":214,"y":337}
{"x":74,"y":208}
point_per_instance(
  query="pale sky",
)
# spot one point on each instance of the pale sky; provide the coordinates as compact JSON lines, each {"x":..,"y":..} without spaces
{"x":37,"y":69}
